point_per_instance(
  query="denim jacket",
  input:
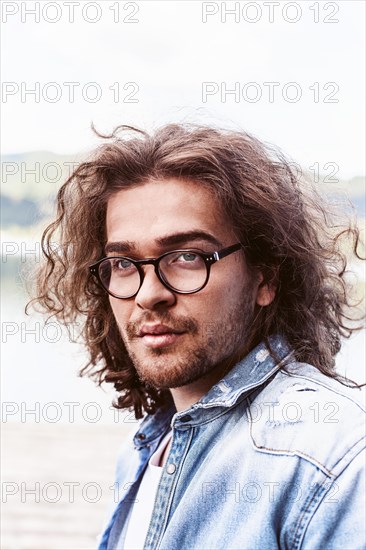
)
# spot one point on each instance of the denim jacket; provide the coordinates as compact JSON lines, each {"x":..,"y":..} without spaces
{"x":271,"y":457}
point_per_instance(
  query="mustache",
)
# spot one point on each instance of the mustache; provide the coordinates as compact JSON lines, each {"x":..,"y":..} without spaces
{"x":179,"y":323}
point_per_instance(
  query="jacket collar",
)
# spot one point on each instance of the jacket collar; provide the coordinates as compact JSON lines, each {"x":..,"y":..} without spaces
{"x":249,"y":373}
{"x":252,"y":371}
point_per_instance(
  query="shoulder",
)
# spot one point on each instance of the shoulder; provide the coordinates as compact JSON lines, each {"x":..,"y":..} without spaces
{"x":303,"y":412}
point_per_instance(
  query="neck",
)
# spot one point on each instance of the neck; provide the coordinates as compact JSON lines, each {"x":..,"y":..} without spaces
{"x":185,"y":396}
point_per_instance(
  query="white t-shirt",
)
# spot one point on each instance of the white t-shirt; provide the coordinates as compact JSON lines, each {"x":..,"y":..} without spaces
{"x":139,"y":518}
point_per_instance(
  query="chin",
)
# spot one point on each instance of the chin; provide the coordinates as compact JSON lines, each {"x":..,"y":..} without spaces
{"x":166,"y":375}
{"x":165,"y":367}
{"x":159,"y":378}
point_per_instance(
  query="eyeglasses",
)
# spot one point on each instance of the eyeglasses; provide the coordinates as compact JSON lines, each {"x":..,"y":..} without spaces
{"x":182,"y":271}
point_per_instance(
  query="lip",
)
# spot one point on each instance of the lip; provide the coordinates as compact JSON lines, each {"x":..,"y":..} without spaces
{"x":159,"y":336}
{"x":160,"y":340}
{"x":157,"y":329}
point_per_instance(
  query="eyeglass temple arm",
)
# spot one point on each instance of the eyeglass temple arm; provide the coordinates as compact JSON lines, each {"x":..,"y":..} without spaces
{"x":226,"y":251}
{"x":216,"y":256}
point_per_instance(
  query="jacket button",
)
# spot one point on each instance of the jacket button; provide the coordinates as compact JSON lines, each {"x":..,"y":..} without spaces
{"x":171,"y":468}
{"x":186,"y":418}
{"x":141,"y":437}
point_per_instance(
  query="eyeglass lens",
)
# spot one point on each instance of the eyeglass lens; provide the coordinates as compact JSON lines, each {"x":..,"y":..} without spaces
{"x":183,"y":271}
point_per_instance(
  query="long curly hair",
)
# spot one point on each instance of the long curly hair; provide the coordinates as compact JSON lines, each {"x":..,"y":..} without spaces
{"x":286,"y":232}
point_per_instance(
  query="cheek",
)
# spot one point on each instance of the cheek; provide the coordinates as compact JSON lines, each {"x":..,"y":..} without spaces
{"x":229,"y":288}
{"x":120,"y":312}
{"x":220,"y":297}
{"x":232,"y":293}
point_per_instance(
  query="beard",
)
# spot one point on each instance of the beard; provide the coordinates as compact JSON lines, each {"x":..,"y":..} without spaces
{"x":211,"y":346}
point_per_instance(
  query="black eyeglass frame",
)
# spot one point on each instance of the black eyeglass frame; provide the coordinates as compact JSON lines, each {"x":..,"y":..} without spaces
{"x":209,"y":260}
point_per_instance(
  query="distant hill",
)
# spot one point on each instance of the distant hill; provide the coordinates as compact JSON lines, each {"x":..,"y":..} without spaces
{"x":36,"y":175}
{"x":31,"y":180}
{"x":23,"y":212}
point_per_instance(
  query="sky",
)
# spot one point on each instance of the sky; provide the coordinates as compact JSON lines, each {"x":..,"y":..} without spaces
{"x":291,"y":73}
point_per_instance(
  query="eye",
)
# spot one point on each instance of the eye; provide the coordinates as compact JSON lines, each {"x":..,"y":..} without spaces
{"x":187,"y":257}
{"x":122,"y":265}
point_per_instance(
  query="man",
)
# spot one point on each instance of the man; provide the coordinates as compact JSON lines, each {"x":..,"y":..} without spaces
{"x":214,"y":299}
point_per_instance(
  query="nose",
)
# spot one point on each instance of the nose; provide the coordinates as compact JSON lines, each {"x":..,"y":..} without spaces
{"x":153,"y":294}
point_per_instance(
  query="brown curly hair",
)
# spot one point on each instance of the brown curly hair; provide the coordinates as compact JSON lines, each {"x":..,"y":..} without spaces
{"x":286,"y":232}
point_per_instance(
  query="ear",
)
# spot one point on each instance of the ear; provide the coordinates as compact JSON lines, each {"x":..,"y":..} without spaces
{"x":266,"y":292}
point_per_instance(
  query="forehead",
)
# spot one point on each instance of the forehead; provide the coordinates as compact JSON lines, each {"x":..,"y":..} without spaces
{"x":160,"y":208}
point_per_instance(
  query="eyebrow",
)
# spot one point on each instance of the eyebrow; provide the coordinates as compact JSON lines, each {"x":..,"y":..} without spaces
{"x":176,"y":239}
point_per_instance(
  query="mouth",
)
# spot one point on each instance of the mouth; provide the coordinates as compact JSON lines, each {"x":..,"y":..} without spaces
{"x":159,"y":336}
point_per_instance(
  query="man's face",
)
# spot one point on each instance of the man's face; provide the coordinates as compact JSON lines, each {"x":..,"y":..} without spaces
{"x":203,"y":333}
